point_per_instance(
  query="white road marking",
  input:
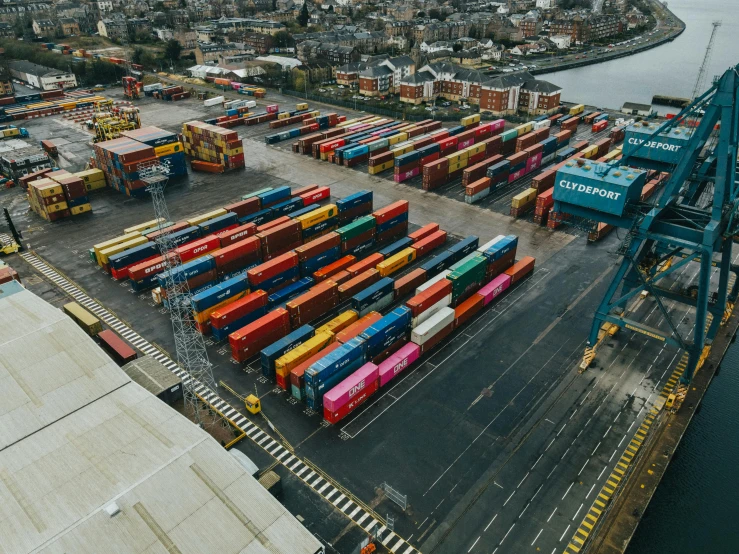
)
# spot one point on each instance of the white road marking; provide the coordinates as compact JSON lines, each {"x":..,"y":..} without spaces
{"x":578,"y":511}
{"x":590,"y":491}
{"x":563,"y":534}
{"x":552,"y":514}
{"x":491,"y":522}
{"x":537,"y":536}
{"x":568,"y":490}
{"x":473,"y":544}
{"x":602,"y":472}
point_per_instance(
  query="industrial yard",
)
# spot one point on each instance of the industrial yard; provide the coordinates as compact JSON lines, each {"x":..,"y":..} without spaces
{"x":493,"y":438}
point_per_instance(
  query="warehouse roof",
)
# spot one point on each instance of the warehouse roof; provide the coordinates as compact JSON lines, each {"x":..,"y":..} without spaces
{"x":90,"y":458}
{"x":34,"y":69}
{"x":151,"y":374}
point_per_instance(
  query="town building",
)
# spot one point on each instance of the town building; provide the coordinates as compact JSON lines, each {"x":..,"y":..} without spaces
{"x":588,"y":29}
{"x":114,"y":29}
{"x":69,"y":26}
{"x":211,"y":52}
{"x":43,"y":28}
{"x":312,"y":50}
{"x":6,"y":82}
{"x":632,"y":108}
{"x":43,"y":78}
{"x":260,"y":42}
{"x":562,"y":42}
{"x":187,"y":38}
{"x":6,"y":30}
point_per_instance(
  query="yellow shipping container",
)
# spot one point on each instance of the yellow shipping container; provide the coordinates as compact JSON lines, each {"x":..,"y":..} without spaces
{"x":317,"y":216}
{"x":283,"y":115}
{"x":458,"y":156}
{"x":590,"y":152}
{"x":395,"y":139}
{"x":475,"y":149}
{"x":112,"y":242}
{"x":91,"y":175}
{"x":523,"y":199}
{"x":141,"y":227}
{"x":525,"y":128}
{"x":58,"y":207}
{"x":402,"y":150}
{"x":459,"y":165}
{"x":81,"y":209}
{"x":168,"y":149}
{"x":373,"y":170}
{"x":339,"y":323}
{"x":48,"y":189}
{"x":198,"y":219}
{"x":396,"y":262}
{"x":95,"y":185}
{"x":289,"y":361}
{"x":470,"y":119}
{"x":120,"y":247}
{"x":301,"y":106}
{"x":575,"y":110}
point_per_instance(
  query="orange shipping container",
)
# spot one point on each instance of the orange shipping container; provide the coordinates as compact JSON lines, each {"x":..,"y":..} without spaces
{"x":363,"y":265}
{"x":339,"y":265}
{"x":520,"y":269}
{"x":356,"y":284}
{"x":358,"y":327}
{"x":467,"y":309}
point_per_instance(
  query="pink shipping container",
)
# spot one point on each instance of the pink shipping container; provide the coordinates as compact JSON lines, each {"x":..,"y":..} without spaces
{"x":533,"y":163}
{"x":350,"y":387}
{"x":407,"y":175}
{"x":494,"y":288}
{"x":273,"y":108}
{"x":497,"y":126}
{"x":516,"y":175}
{"x":465,"y":144}
{"x":398,"y":362}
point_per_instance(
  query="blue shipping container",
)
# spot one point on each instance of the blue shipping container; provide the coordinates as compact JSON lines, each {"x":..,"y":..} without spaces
{"x":407,"y":158}
{"x":185,"y":235}
{"x":317,"y":229}
{"x":217,"y":294}
{"x":188,"y":270}
{"x":216,"y":224}
{"x":565,"y":153}
{"x":464,"y":247}
{"x":501,"y":247}
{"x":314,"y":394}
{"x":396,"y":247}
{"x":333,"y":362}
{"x":258,"y":218}
{"x":311,"y":265}
{"x":303,"y":211}
{"x":390,"y":223}
{"x":133,"y":255}
{"x":361,"y":249}
{"x":222,"y":333}
{"x":287,"y":207}
{"x":456,"y":130}
{"x":438,"y":263}
{"x":289,"y":292}
{"x":274,"y":195}
{"x":498,"y":168}
{"x":388,"y":330}
{"x":354,"y":200}
{"x":270,"y":354}
{"x":372,"y":294}
{"x":289,"y":275}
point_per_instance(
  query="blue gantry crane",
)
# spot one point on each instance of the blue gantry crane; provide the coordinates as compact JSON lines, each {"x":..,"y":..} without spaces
{"x":693,"y":219}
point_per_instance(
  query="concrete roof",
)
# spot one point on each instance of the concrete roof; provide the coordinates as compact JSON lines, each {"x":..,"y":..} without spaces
{"x":77,"y":435}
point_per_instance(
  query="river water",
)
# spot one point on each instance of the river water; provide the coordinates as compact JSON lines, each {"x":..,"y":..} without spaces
{"x":670,"y":69}
{"x":696,"y":506}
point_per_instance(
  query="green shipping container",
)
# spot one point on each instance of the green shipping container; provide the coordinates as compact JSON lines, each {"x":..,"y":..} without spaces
{"x":256,"y":193}
{"x":91,"y":251}
{"x":356,"y":228}
{"x":472,"y":271}
{"x":509,"y":135}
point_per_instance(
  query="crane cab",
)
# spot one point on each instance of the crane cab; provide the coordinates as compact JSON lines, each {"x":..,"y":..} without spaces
{"x":252,"y":404}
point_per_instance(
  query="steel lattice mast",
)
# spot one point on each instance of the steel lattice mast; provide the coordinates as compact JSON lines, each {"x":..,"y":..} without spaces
{"x":189,"y":343}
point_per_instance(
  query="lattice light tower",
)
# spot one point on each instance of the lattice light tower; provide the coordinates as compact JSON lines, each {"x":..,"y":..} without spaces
{"x":189,"y":343}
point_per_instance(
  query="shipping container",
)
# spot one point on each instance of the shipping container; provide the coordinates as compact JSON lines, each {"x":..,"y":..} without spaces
{"x":432,"y":331}
{"x":88,"y":322}
{"x":396,"y":262}
{"x":252,"y":338}
{"x":297,"y":374}
{"x":271,"y":353}
{"x":362,"y":301}
{"x":387,"y":331}
{"x":295,"y":357}
{"x":118,"y":349}
{"x":521,"y":269}
{"x":339,"y":323}
{"x":350,"y":393}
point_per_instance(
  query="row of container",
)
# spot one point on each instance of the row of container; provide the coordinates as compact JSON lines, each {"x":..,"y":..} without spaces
{"x":213,"y":145}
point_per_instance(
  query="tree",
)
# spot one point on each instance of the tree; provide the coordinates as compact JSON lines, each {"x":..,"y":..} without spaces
{"x":303,"y":16}
{"x":330,"y":9}
{"x":473,"y":32}
{"x":138,"y":54}
{"x":172,"y":50}
{"x":421,"y":14}
{"x":457,"y":47}
{"x":436,"y":14}
{"x":283,"y":38}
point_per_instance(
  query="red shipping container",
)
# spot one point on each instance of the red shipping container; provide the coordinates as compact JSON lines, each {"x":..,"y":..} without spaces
{"x":356,"y":241}
{"x":363,"y":265}
{"x":358,"y":327}
{"x":356,"y":284}
{"x":351,"y":214}
{"x":239,"y":308}
{"x":438,"y":337}
{"x":249,"y":247}
{"x":317,"y":246}
{"x":339,"y":265}
{"x":500,"y":265}
{"x":518,"y":158}
{"x":427,"y":298}
{"x":535,"y":149}
{"x":389,"y":212}
{"x":268,"y":323}
{"x":381,"y":158}
{"x":244,"y":207}
{"x":303,"y":190}
{"x":297,"y":374}
{"x":409,"y":282}
{"x":441,"y":165}
{"x":464,"y":312}
{"x":520,"y":269}
{"x":272,"y":268}
{"x":335,"y":417}
{"x":141,"y":270}
{"x":236,"y":234}
{"x":313,"y":304}
{"x":198,"y":248}
{"x":392,"y":234}
{"x":315,"y":196}
{"x":423,"y":232}
{"x":340,"y":277}
{"x":426,"y":245}
{"x":274,"y":223}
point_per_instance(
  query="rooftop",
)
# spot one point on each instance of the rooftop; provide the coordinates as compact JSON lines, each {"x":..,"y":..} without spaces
{"x":78,"y":437}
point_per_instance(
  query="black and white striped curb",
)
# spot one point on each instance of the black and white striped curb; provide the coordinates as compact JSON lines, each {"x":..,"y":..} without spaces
{"x":326,"y":489}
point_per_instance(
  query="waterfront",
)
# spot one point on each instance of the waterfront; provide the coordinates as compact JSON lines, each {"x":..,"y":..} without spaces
{"x":670,"y":69}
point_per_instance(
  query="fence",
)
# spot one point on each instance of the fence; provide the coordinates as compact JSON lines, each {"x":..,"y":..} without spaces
{"x":363,"y":106}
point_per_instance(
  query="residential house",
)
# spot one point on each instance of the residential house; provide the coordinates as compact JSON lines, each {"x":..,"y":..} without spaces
{"x":69,"y":26}
{"x":164,"y":34}
{"x":519,"y":92}
{"x":44,"y":28}
{"x":205,"y":34}
{"x":260,"y":42}
{"x":6,"y":31}
{"x":587,"y":29}
{"x":104,"y":6}
{"x":311,"y":50}
{"x":438,"y":46}
{"x":528,"y":49}
{"x":249,"y":25}
{"x":6,"y":81}
{"x":545,"y":4}
{"x":187,"y":38}
{"x":530,"y":27}
{"x":316,"y":72}
{"x":468,"y":57}
{"x":211,"y":52}
{"x":348,"y":74}
{"x":138,"y":27}
{"x":420,"y":87}
{"x":114,"y":29}
{"x":178,"y":18}
{"x":376,"y":81}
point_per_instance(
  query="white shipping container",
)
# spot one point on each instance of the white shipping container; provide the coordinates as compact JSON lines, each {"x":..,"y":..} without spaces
{"x":431,"y":326}
{"x":233,"y":104}
{"x":476,"y":197}
{"x":433,"y":280}
{"x":213,"y":101}
{"x":489,"y":243}
{"x":541,"y":124}
{"x":380,"y":305}
{"x":423,"y":316}
{"x":152,"y":87}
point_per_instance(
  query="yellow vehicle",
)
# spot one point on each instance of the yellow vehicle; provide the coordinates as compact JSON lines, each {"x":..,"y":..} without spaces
{"x":670,"y":401}
{"x":252,"y":404}
{"x":98,"y":88}
{"x":10,"y":248}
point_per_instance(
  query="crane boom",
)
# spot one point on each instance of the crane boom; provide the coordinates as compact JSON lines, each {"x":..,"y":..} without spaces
{"x":706,"y":61}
